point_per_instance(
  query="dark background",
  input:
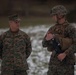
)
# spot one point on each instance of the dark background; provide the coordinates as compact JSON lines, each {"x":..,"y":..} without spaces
{"x":36,"y":8}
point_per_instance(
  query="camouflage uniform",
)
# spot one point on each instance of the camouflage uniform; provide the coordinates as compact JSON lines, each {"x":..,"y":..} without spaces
{"x":15,"y":48}
{"x":65,"y":67}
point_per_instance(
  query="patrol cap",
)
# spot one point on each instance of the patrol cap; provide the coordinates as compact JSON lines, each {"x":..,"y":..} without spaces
{"x":14,"y":17}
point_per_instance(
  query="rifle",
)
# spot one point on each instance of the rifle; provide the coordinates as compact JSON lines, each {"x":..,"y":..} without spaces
{"x":56,"y":45}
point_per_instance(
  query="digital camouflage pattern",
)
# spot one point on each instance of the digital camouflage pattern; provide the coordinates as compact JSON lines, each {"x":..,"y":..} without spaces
{"x":15,"y":48}
{"x":65,"y":67}
{"x":59,"y":10}
{"x":14,"y":17}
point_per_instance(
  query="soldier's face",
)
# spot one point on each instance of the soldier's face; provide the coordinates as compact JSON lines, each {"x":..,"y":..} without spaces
{"x":14,"y":25}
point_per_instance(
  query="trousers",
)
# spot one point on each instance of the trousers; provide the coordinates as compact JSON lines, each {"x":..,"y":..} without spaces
{"x":60,"y":70}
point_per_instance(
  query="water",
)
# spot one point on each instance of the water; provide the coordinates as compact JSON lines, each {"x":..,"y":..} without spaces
{"x":39,"y":58}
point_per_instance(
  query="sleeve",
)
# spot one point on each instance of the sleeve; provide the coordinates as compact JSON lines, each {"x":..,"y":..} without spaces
{"x":1,"y":47}
{"x":46,"y":43}
{"x":71,"y":33}
{"x":28,"y":47}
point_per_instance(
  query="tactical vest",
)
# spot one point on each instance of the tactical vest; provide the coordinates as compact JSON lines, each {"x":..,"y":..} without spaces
{"x":60,"y":33}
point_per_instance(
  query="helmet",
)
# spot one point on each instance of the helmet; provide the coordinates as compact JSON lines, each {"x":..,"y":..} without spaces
{"x":60,"y":9}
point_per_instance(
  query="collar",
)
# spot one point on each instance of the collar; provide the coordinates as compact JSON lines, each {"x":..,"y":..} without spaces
{"x":64,"y":24}
{"x":17,"y":33}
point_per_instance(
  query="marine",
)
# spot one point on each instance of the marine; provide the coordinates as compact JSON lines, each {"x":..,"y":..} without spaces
{"x":15,"y":48}
{"x":65,"y":33}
